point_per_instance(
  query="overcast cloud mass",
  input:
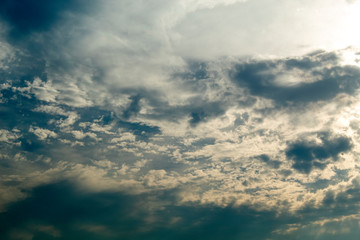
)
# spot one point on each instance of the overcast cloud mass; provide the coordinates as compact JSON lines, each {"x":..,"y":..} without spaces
{"x":179,"y":119}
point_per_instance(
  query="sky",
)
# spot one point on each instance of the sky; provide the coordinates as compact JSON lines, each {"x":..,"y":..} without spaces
{"x":179,"y":119}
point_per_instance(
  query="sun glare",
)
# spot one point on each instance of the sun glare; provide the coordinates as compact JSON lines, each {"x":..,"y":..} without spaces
{"x":349,"y":33}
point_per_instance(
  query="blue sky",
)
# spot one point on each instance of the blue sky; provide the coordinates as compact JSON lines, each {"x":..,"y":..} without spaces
{"x":196,"y":119}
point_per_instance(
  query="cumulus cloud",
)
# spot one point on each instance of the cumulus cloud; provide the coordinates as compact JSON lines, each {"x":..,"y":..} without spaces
{"x":41,"y":133}
{"x":9,"y":136}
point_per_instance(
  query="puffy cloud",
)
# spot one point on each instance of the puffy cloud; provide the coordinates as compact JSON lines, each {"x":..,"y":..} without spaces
{"x":42,"y":134}
{"x":9,"y":136}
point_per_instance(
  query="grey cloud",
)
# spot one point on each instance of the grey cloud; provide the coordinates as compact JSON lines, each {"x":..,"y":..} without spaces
{"x":205,"y":112}
{"x":105,"y":116}
{"x":271,"y":163}
{"x":198,"y":109}
{"x":308,"y":155}
{"x":259,"y":78}
{"x":241,"y":120}
{"x":335,"y":205}
{"x":312,"y":60}
{"x":204,"y":142}
{"x":133,"y":108}
{"x":141,"y":130}
{"x":73,"y":214}
{"x":193,"y":78}
{"x":340,"y":175}
{"x":60,"y":210}
{"x":344,"y":200}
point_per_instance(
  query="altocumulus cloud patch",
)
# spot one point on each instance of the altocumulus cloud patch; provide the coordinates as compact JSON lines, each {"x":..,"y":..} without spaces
{"x":115,"y":125}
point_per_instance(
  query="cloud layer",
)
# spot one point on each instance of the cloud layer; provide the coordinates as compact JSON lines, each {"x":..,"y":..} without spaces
{"x":178,"y":119}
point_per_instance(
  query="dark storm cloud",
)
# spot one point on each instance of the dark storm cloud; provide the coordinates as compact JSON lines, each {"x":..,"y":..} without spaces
{"x":109,"y":215}
{"x":62,"y":206}
{"x":27,"y":16}
{"x":61,"y":211}
{"x":308,"y":155}
{"x":259,"y":77}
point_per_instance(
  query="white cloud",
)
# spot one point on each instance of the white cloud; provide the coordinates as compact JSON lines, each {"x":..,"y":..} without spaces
{"x":80,"y":134}
{"x":160,"y":179}
{"x":279,"y":28}
{"x":126,"y":136}
{"x":42,"y":133}
{"x":9,"y":136}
